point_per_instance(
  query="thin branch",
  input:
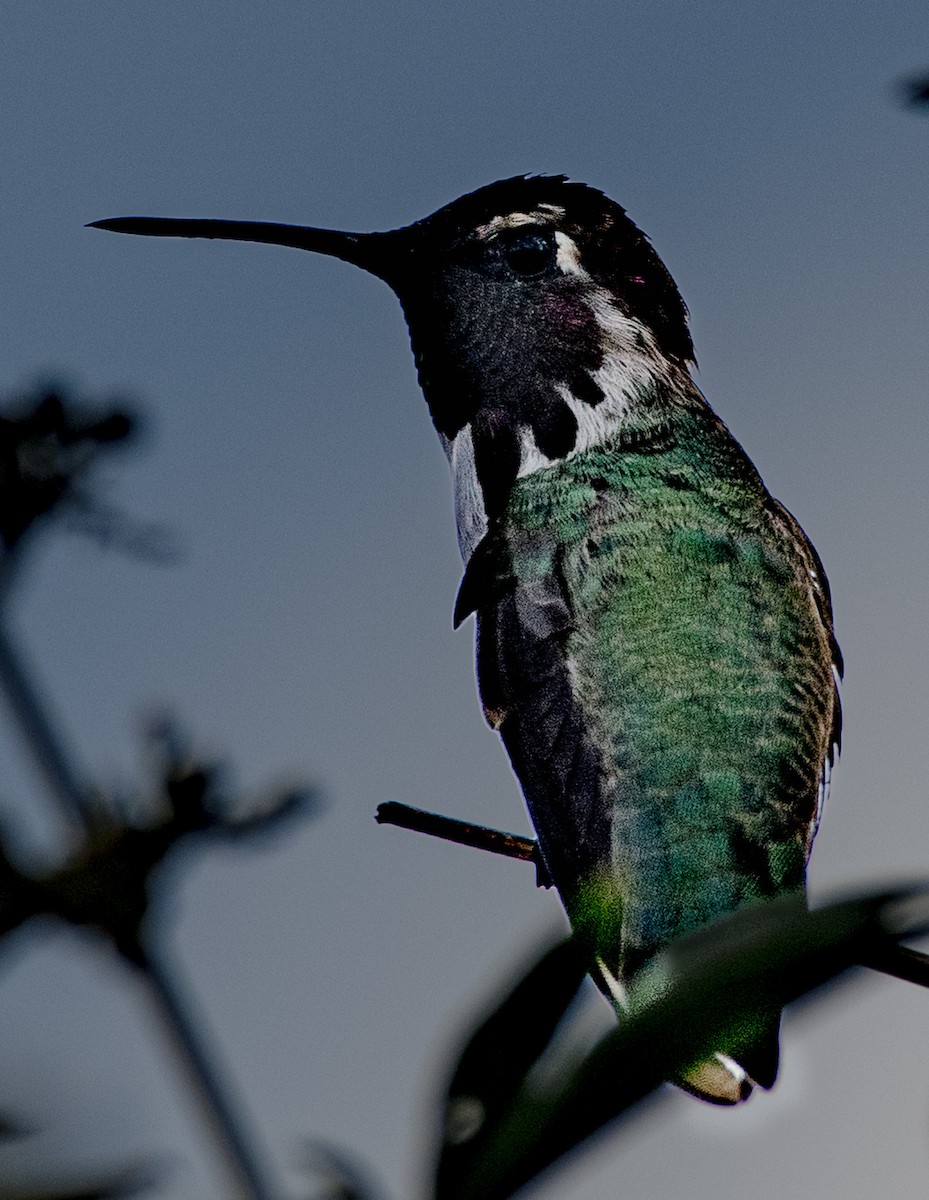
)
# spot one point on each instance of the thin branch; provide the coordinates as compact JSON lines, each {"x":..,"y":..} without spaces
{"x":901,"y":962}
{"x":509,"y":845}
{"x":47,"y":749}
{"x":209,"y":1082}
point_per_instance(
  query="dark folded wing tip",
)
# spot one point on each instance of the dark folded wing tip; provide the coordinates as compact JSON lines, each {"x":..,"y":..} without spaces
{"x":464,"y":606}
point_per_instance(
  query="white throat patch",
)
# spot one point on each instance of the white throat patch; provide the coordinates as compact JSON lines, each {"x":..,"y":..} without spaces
{"x":632,"y":366}
{"x":470,"y":514}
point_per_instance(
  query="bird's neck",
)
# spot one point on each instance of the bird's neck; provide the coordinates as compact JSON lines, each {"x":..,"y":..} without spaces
{"x":644,"y":397}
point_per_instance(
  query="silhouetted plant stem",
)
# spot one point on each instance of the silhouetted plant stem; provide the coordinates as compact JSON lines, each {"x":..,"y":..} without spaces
{"x":206,"y":1078}
{"x":176,"y":1012}
{"x":46,"y":747}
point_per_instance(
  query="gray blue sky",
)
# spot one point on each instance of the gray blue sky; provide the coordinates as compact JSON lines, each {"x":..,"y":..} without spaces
{"x":307,"y":631}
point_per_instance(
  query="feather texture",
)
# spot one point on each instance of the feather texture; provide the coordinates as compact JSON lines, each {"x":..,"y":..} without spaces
{"x":655,"y":647}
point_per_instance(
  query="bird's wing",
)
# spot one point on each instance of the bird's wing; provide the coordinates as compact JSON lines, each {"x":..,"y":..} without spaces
{"x":528,"y":694}
{"x":822,"y":599}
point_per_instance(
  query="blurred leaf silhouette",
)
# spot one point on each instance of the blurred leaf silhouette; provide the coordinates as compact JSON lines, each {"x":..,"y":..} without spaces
{"x":109,"y":881}
{"x":494,"y":1064}
{"x":914,"y":92}
{"x":125,"y":1183}
{"x":50,"y":445}
{"x":500,"y":1133}
{"x":45,"y":449}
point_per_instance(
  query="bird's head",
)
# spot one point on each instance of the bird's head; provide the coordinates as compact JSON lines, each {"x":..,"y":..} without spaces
{"x":530,"y":302}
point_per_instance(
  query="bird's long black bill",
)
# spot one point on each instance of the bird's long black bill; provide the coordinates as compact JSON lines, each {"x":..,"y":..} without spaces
{"x":366,"y":250}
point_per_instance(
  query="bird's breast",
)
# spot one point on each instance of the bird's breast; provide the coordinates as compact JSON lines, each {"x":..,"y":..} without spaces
{"x":662,"y":679}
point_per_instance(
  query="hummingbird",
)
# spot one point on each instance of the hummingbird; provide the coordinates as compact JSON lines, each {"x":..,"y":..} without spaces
{"x":654,"y":639}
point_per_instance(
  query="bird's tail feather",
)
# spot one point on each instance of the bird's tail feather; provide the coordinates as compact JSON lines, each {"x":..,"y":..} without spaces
{"x":728,"y":1076}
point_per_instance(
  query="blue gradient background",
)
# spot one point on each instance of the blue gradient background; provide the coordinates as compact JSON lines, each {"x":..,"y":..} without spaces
{"x":307,"y":631}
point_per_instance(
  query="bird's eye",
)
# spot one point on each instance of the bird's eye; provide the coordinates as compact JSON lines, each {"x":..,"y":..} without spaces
{"x":530,"y":253}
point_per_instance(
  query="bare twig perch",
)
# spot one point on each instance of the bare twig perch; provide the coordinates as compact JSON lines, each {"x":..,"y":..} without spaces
{"x":899,"y":961}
